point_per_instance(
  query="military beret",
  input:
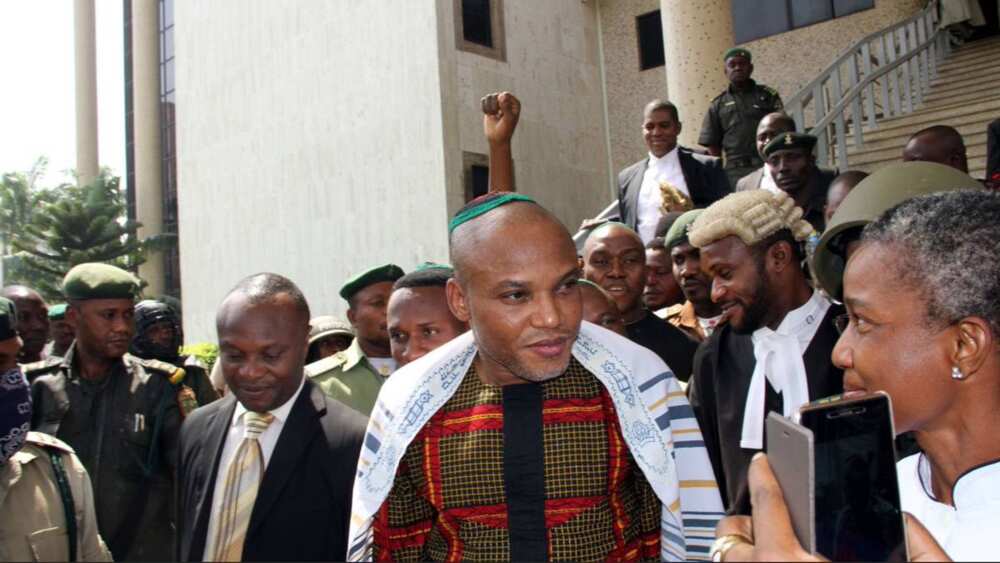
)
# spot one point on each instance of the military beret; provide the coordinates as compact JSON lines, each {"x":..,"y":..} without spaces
{"x":327,"y":325}
{"x":57,"y":312}
{"x":386,"y":273}
{"x":737,"y":52}
{"x":790,"y":140}
{"x":678,"y":233}
{"x":99,"y":281}
{"x":884,"y":189}
{"x":8,"y":319}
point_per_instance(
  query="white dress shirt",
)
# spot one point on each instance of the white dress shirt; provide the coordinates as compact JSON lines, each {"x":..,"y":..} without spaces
{"x":966,"y":531}
{"x":664,"y":169}
{"x":268,"y":439}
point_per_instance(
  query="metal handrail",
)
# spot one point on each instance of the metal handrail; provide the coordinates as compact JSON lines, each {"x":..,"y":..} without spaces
{"x":890,"y":70}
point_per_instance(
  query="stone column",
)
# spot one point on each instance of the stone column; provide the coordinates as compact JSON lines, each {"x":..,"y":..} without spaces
{"x":85,"y":43}
{"x":695,"y":35}
{"x":148,"y":186}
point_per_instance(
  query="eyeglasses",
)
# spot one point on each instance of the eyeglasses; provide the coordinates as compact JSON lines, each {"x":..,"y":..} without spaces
{"x":841,"y":322}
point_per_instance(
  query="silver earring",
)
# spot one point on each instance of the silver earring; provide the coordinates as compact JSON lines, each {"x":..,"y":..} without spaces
{"x":957,"y":373}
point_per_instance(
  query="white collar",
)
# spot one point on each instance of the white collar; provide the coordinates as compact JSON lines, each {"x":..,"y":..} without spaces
{"x":665,"y":160}
{"x":280,"y":414}
{"x":975,"y":487}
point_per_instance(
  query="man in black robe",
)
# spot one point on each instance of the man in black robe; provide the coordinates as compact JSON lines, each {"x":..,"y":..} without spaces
{"x":614,"y":258}
{"x":774,"y":353}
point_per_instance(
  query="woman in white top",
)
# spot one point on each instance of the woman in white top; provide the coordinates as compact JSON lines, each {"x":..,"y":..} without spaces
{"x":923,"y":297}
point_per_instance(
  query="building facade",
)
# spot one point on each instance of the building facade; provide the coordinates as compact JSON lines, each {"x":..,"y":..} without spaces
{"x":316,"y":138}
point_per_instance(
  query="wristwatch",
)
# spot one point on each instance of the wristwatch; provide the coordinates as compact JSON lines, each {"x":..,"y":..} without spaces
{"x":725,"y":543}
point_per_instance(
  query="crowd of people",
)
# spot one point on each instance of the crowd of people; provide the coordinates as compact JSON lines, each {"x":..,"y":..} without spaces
{"x":534,"y":399}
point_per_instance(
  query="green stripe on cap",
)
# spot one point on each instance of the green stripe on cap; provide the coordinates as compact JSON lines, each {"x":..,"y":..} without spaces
{"x":488,"y":204}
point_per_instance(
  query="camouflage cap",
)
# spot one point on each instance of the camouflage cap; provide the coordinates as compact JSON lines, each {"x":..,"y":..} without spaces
{"x":8,"y":319}
{"x":874,"y":195}
{"x":99,"y":281}
{"x":385,"y":273}
{"x":328,"y":325}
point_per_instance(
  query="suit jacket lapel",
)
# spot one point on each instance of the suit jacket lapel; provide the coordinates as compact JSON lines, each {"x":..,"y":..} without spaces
{"x":632,"y":193}
{"x":217,"y":426}
{"x":296,"y":437}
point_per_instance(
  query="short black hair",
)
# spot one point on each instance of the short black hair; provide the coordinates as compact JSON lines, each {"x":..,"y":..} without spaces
{"x":658,"y":243}
{"x":943,"y":132}
{"x":661,"y":105}
{"x":760,"y":249}
{"x":264,"y":287}
{"x":431,"y":277}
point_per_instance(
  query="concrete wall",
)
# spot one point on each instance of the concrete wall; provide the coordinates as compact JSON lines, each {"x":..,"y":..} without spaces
{"x":552,"y":65}
{"x":310,"y":144}
{"x":629,"y":89}
{"x":788,"y":61}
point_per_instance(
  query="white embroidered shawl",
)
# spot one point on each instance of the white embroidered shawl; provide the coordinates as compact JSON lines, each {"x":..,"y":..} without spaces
{"x":655,"y":417}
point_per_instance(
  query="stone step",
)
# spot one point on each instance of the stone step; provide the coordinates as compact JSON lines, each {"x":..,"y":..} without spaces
{"x":941,"y":112}
{"x":970,"y":126}
{"x":975,"y":146}
{"x":957,"y":119}
{"x":985,"y":89}
{"x":959,"y":84}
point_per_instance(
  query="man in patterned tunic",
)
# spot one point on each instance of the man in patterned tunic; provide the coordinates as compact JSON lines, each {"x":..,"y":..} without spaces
{"x":535,"y":435}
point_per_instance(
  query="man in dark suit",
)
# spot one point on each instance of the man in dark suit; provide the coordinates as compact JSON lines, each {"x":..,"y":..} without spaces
{"x":267,"y":472}
{"x":700,"y":178}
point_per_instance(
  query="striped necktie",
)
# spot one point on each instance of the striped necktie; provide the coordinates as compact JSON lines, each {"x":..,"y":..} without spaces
{"x":240,"y":491}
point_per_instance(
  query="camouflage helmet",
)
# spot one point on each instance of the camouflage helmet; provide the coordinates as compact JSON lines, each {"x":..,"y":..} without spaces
{"x":874,"y":195}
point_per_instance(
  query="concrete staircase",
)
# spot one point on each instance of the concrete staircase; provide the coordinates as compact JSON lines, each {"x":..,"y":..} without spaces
{"x":965,"y":95}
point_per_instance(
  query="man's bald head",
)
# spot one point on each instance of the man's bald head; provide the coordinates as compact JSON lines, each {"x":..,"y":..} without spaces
{"x":772,"y":125}
{"x":515,"y":225}
{"x":267,"y":288}
{"x":939,"y":143}
{"x":615,"y":258}
{"x":13,"y":292}
{"x":609,"y":230}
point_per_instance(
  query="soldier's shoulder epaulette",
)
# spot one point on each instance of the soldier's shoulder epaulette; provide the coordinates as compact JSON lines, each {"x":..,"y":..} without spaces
{"x":719,"y":97}
{"x":48,"y":442}
{"x":41,"y":367}
{"x":769,"y":90}
{"x":328,"y":363}
{"x":173,"y":373}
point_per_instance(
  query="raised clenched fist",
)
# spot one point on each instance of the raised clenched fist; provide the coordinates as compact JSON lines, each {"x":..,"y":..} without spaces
{"x":501,"y":111}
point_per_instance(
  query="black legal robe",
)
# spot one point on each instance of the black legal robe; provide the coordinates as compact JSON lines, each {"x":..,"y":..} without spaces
{"x":667,"y":341}
{"x":718,"y":391}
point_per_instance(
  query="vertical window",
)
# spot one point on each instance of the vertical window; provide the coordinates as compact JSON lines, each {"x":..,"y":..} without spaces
{"x":129,"y":113}
{"x":479,"y":28}
{"x":168,"y":147}
{"x":476,"y":26}
{"x":649,"y":29}
{"x":475,"y":174}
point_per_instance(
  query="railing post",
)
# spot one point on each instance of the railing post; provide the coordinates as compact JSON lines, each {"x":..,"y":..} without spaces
{"x":856,"y":117}
{"x":914,"y":63}
{"x":819,"y":106}
{"x":935,"y":52}
{"x":866,"y":61}
{"x":907,"y":90}
{"x":889,"y":46}
{"x":798,"y":114}
{"x":836,"y":93}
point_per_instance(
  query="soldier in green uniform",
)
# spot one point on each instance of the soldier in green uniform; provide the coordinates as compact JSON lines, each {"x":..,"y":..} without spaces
{"x":121,"y":414}
{"x":158,"y":336}
{"x":60,"y":331}
{"x":730,"y":126}
{"x":355,"y":375}
{"x":46,"y":502}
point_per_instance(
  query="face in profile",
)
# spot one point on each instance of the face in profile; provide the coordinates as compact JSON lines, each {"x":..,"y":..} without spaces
{"x":889,"y":343}
{"x":615,"y":259}
{"x":104,"y":327}
{"x":519,"y":293}
{"x":739,"y":283}
{"x":600,"y":309}
{"x":420,"y":321}
{"x":262,"y":349}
